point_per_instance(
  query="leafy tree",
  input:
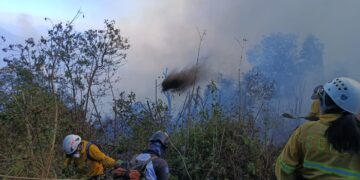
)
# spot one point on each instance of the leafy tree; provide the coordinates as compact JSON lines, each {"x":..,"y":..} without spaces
{"x":311,"y":59}
{"x":279,"y":58}
{"x":52,"y":87}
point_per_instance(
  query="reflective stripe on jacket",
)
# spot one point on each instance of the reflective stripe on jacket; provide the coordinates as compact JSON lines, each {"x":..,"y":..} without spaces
{"x":309,"y":155}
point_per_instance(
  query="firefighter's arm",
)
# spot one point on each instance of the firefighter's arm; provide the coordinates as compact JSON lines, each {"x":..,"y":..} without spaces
{"x":101,"y":157}
{"x":161,"y":169}
{"x":290,"y":158}
{"x":164,"y":173}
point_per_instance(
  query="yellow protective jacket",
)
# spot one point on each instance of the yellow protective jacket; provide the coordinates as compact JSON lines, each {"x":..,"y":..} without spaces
{"x":307,"y":154}
{"x":315,"y":109}
{"x":91,"y":168}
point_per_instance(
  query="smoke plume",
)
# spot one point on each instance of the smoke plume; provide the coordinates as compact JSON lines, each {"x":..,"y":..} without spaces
{"x":179,"y":81}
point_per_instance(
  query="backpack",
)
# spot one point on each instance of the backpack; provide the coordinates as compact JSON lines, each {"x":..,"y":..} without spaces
{"x":88,"y":149}
{"x":138,"y":163}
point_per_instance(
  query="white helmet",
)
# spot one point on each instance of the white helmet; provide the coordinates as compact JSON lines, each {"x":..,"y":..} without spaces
{"x":71,"y":143}
{"x":345,"y":93}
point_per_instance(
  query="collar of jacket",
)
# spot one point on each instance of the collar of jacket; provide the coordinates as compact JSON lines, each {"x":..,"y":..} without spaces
{"x":150,"y":151}
{"x":84,"y":144}
{"x":327,"y":118}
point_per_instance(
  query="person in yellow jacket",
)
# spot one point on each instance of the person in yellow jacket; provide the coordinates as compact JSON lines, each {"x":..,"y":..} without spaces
{"x":86,"y":157}
{"x":314,"y":113}
{"x":330,"y":147}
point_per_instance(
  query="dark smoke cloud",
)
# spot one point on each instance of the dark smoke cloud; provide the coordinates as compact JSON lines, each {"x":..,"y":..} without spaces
{"x":179,"y":81}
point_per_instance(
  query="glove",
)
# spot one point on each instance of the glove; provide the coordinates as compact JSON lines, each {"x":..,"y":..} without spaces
{"x":119,"y":171}
{"x":134,"y":175}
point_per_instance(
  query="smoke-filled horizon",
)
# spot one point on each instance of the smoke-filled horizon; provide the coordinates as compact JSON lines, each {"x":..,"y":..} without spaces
{"x":165,"y":34}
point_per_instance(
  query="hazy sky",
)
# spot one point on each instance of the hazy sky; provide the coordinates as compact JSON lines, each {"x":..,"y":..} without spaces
{"x":165,"y":33}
